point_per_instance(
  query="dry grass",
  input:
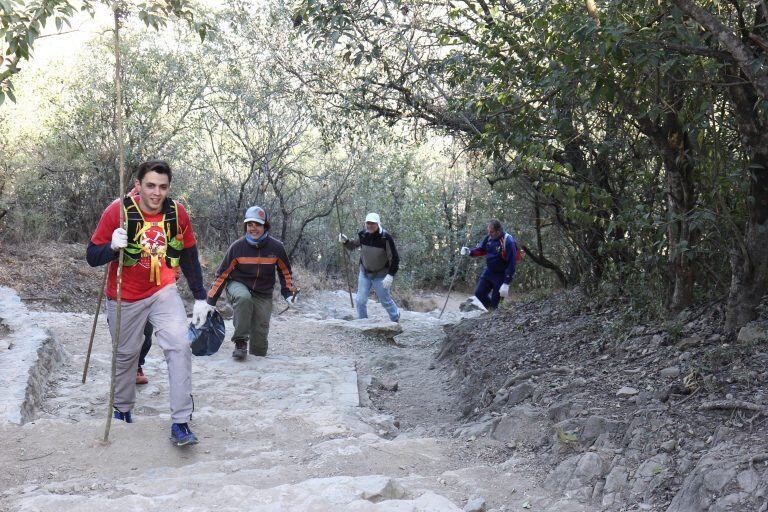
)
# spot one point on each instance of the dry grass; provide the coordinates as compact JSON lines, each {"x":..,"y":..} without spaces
{"x":56,"y":276}
{"x":51,"y":275}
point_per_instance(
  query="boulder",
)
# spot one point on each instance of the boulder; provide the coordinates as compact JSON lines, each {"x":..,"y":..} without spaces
{"x":753,"y":332}
{"x":652,"y":474}
{"x":472,"y":304}
{"x":520,"y":392}
{"x":475,"y":505}
{"x":590,"y":468}
{"x":720,"y":482}
{"x":670,"y":372}
{"x":617,"y":480}
{"x":482,"y":427}
{"x":560,"y":411}
{"x":377,"y":488}
{"x":370,"y":327}
{"x":578,"y":474}
{"x":593,"y":428}
{"x":522,"y":425}
{"x":626,"y":392}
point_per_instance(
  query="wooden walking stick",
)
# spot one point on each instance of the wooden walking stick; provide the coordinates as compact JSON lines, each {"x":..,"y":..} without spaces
{"x":450,"y":288}
{"x":95,"y":320}
{"x":458,"y":265}
{"x":344,"y":260}
{"x":121,"y":170}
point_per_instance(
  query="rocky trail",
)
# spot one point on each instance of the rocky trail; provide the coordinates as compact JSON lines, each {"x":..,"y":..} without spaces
{"x":341,"y":416}
{"x":555,"y":403}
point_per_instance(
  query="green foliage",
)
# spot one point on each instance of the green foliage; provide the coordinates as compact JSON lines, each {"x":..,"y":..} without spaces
{"x":22,"y":22}
{"x":614,"y":126}
{"x":237,"y":132}
{"x":609,"y":143}
{"x":675,"y":331}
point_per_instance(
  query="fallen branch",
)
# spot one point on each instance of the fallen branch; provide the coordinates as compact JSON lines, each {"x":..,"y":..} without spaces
{"x":733,"y":405}
{"x":688,"y":397}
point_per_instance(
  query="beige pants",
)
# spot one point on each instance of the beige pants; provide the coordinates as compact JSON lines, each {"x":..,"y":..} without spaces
{"x":165,"y":310}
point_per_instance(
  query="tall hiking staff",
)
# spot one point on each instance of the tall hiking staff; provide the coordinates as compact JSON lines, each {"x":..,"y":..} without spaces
{"x":455,"y":274}
{"x":121,"y":169}
{"x":344,"y":259}
{"x":95,"y":321}
{"x":450,"y":288}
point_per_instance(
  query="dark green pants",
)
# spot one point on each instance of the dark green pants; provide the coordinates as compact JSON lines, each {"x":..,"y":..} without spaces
{"x":251,"y":317}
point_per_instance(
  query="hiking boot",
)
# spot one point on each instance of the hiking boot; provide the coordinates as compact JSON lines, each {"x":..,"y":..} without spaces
{"x":125,"y":416}
{"x":140,"y":377}
{"x":241,"y":350}
{"x":181,"y":435}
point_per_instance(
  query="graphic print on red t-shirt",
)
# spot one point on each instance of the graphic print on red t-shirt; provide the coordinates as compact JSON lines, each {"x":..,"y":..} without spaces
{"x":152,"y":243}
{"x":136,"y":282}
{"x":153,"y":248}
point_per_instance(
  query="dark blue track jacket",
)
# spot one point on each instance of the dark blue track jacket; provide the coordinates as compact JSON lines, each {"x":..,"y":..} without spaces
{"x":499,"y":264}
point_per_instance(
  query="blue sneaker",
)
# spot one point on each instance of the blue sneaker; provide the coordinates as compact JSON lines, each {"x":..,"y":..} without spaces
{"x":182,"y":435}
{"x":125,"y":416}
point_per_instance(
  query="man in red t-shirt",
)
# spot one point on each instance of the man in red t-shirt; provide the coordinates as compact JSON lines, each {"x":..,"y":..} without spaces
{"x":158,"y":240}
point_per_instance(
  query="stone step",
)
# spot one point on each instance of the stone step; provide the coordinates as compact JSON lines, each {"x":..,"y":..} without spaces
{"x":215,"y":492}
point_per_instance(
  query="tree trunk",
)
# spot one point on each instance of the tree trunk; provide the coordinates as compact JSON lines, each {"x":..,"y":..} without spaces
{"x":749,"y":265}
{"x":749,"y":260}
{"x":681,"y":201}
{"x":674,"y":146}
{"x":539,"y":257}
{"x":748,"y":81}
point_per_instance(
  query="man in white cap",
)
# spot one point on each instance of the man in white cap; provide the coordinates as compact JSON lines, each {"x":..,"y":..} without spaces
{"x":247,"y":273}
{"x":379,"y":262}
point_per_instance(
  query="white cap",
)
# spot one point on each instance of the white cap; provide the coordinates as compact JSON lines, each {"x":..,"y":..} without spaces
{"x":373,"y":217}
{"x":255,"y":214}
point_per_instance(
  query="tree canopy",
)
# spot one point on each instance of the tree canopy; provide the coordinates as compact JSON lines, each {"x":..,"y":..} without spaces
{"x":624,"y":144}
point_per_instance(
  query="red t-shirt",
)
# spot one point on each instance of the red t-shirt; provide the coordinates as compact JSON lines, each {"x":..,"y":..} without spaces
{"x":135,"y":280}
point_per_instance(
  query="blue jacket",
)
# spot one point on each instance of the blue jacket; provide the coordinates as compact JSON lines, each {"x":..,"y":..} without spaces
{"x":494,"y":260}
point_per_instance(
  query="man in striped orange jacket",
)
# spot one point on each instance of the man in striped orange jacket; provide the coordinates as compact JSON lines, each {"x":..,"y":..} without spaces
{"x":247,"y":274}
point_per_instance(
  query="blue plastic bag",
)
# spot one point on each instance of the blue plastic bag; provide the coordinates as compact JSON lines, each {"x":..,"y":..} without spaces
{"x":206,"y":340}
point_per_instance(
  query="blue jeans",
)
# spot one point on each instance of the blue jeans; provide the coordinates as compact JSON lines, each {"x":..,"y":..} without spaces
{"x":364,"y":284}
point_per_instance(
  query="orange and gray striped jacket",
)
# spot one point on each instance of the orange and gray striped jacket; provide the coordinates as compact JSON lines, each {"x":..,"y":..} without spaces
{"x":254,"y":266}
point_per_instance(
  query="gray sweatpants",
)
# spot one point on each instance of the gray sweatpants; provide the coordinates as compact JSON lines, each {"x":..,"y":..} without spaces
{"x":165,"y":310}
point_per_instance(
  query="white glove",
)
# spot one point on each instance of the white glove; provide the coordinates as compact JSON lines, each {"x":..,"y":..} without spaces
{"x":343,"y":238}
{"x":119,"y":239}
{"x":465,"y":251}
{"x":200,"y":313}
{"x":387,"y":282}
{"x":291,"y":300}
{"x":504,"y":290}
